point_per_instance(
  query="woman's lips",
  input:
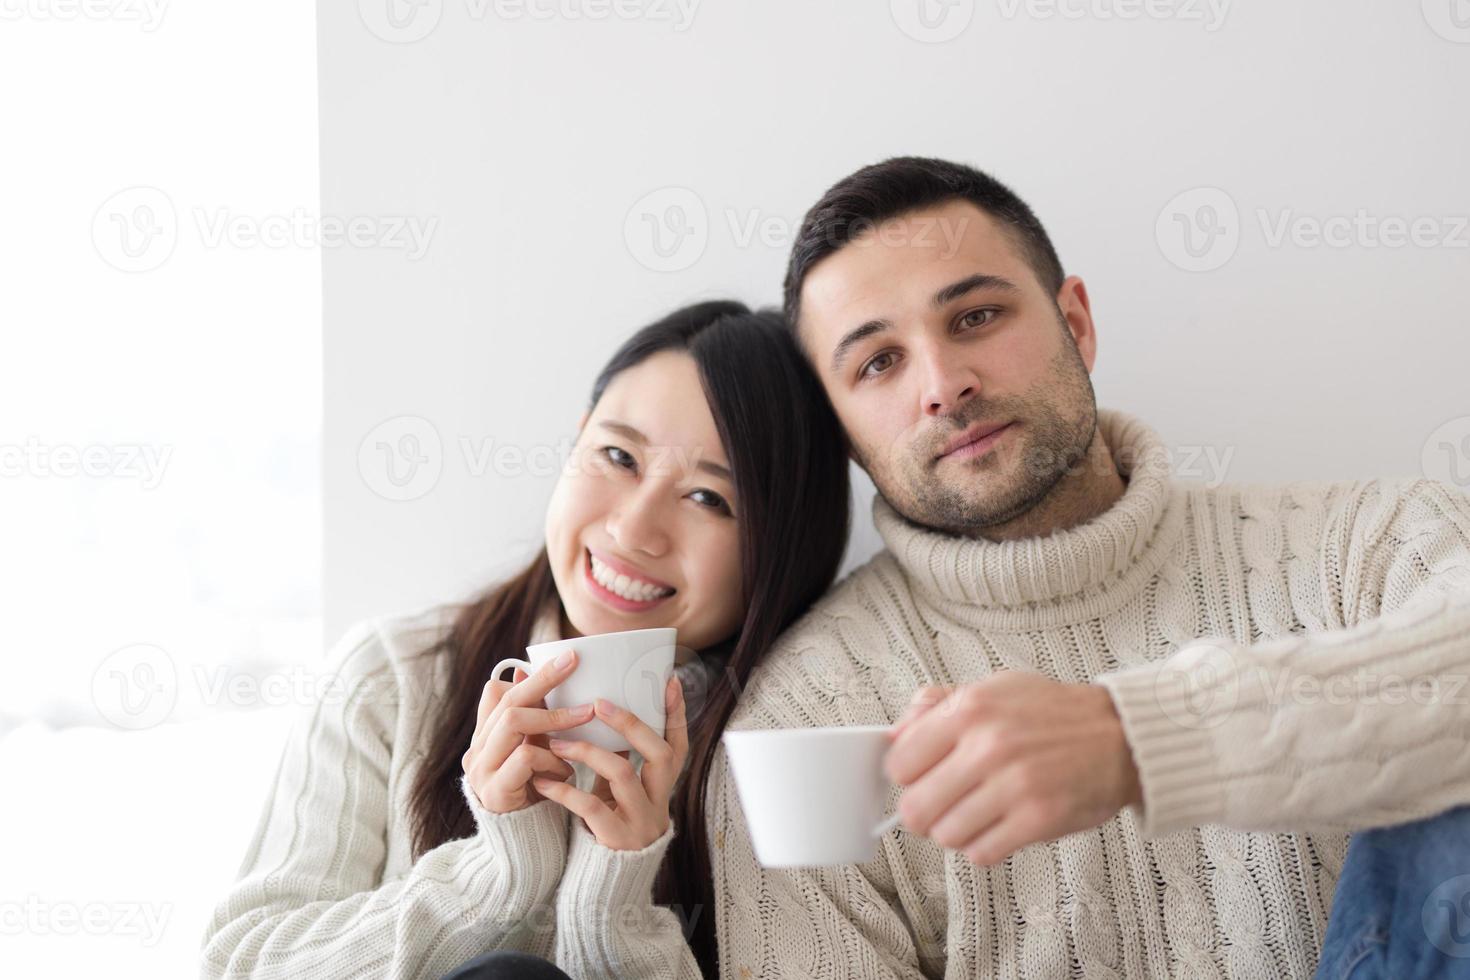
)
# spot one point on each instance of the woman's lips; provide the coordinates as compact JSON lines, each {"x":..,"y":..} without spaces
{"x":611,"y":598}
{"x":981,"y":446}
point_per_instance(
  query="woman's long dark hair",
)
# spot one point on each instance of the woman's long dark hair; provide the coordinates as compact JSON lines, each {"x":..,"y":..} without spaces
{"x":789,"y":462}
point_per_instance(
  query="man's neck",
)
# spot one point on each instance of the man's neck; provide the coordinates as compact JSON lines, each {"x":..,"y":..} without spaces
{"x":1088,"y":489}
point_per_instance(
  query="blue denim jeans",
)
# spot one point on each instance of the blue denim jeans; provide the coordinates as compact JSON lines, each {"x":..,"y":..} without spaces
{"x":1402,"y":906}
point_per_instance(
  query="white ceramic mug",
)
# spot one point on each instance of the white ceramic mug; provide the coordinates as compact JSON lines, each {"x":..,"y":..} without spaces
{"x":812,"y":796}
{"x":630,"y":669}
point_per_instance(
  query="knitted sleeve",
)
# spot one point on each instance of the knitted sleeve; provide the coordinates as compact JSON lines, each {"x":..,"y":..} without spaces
{"x":1363,"y":725}
{"x":309,"y":901}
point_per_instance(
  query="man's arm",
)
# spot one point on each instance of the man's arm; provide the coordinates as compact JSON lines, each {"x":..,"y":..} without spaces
{"x":1341,"y":730}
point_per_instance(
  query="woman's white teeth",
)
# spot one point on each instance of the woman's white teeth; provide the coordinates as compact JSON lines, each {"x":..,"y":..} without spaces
{"x":629,"y":588}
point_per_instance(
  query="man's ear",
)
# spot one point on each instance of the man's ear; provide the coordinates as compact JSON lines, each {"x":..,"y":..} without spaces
{"x":1076,"y":310}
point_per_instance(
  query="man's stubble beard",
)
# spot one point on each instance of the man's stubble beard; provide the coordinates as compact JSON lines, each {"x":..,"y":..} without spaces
{"x":1059,"y":420}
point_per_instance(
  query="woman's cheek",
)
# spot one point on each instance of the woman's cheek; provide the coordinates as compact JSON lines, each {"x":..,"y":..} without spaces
{"x":720,"y":606}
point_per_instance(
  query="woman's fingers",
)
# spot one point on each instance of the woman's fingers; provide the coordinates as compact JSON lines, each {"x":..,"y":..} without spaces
{"x":513,"y":724}
{"x":622,"y":778}
{"x":644,"y":740}
{"x":659,"y":778}
{"x":598,"y":815}
{"x":525,"y":762}
{"x":534,"y":688}
{"x":490,"y":696}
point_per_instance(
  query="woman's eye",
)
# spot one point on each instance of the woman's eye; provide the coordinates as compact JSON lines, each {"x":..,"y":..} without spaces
{"x":878,"y":365}
{"x":711,"y":500}
{"x":620,"y":457}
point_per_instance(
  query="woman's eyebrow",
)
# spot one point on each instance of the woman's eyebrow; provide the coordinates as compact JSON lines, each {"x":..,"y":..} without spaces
{"x":624,"y":429}
{"x":715,"y":469}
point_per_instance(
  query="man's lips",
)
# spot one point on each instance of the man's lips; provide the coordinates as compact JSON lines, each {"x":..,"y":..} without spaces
{"x":974,"y":441}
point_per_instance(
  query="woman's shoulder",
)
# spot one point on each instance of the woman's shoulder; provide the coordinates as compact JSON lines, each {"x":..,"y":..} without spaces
{"x":400,"y":646}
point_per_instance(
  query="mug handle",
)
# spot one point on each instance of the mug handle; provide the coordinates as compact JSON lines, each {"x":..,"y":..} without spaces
{"x":886,"y":826}
{"x":511,"y":662}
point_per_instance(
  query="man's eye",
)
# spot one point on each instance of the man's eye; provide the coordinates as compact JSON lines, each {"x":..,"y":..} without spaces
{"x":974,"y":317}
{"x":620,"y":457}
{"x":877,"y":365}
{"x":711,"y":500}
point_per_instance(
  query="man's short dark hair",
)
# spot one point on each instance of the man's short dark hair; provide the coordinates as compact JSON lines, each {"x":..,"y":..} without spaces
{"x":895,"y":187}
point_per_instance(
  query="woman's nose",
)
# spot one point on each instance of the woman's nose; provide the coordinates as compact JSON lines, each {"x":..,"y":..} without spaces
{"x":638,"y":525}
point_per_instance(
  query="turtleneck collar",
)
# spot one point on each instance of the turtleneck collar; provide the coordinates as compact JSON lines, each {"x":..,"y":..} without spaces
{"x":1064,"y":575}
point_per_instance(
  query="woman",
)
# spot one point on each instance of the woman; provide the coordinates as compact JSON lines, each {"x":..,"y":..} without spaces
{"x":420,"y":820}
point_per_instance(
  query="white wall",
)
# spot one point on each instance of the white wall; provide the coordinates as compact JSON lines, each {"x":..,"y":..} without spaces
{"x":532,"y":133}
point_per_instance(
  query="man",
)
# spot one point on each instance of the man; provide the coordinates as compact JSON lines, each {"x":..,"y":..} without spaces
{"x":1149,"y":714}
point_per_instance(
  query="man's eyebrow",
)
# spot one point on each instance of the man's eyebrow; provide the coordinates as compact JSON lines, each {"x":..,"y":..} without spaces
{"x":627,"y":431}
{"x":855,"y":337}
{"x":969,"y":284}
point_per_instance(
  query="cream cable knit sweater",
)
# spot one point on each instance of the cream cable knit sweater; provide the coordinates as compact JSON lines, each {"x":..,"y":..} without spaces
{"x":1289,"y":664}
{"x":327,"y":887}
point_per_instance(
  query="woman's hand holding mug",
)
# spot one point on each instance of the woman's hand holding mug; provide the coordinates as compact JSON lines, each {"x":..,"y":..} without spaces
{"x":627,"y":809}
{"x":509,"y":744}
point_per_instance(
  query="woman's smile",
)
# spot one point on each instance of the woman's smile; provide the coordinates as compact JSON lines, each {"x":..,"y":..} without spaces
{"x":620,"y":585}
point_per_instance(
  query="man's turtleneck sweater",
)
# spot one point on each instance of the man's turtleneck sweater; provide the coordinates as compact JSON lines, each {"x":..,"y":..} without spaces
{"x":1289,"y":665}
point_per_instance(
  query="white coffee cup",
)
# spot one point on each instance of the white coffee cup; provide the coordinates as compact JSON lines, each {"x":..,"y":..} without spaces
{"x":812,"y":796}
{"x":630,"y":669}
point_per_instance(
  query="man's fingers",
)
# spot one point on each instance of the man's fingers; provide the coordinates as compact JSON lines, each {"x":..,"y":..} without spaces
{"x":930,"y":798}
{"x":926,"y":738}
{"x":970,"y":815}
{"x":1001,"y":839}
{"x":924,"y":699}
